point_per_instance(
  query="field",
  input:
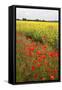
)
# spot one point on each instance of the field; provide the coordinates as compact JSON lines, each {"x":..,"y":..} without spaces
{"x":37,"y":51}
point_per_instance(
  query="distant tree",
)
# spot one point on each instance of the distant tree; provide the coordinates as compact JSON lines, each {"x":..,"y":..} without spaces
{"x":43,"y":20}
{"x":37,"y":20}
{"x":18,"y":19}
{"x":24,"y":19}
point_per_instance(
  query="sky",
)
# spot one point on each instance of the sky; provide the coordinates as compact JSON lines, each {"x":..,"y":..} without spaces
{"x":41,"y":14}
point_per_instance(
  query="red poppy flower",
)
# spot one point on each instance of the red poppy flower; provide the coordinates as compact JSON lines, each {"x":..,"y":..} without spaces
{"x":38,"y":65}
{"x":51,"y":54}
{"x":35,"y":76}
{"x":39,"y":60}
{"x":43,"y":56}
{"x":31,"y":48}
{"x":56,"y":54}
{"x":55,"y":70}
{"x":35,"y":61}
{"x":52,"y":77}
{"x":38,"y":52}
{"x":42,"y":78}
{"x":33,"y":68}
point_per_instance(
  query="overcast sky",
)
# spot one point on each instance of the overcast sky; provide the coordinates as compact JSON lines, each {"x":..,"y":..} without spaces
{"x":42,"y":14}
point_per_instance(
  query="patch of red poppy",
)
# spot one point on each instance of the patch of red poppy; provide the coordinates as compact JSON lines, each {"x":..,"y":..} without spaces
{"x":56,"y":54}
{"x":39,"y":60}
{"x":55,"y":70}
{"x":51,"y":54}
{"x":33,"y":68}
{"x":42,"y":78}
{"x":34,"y":61}
{"x":32,"y":48}
{"x":43,"y":56}
{"x":35,"y":76}
{"x":30,"y":53}
{"x":38,"y":52}
{"x":52,"y":77}
{"x":38,"y":65}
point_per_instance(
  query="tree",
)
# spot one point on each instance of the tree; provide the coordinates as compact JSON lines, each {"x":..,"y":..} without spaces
{"x":24,"y":19}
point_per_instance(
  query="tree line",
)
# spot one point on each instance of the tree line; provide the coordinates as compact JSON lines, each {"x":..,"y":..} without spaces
{"x":25,"y":19}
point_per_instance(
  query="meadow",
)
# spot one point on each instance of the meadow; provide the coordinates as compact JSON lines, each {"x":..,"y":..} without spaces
{"x":37,"y":51}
